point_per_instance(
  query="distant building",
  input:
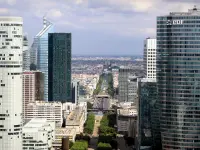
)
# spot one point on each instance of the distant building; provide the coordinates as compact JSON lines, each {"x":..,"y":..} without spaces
{"x":11,"y":51}
{"x":102,"y":102}
{"x":148,"y":114}
{"x":124,"y":73}
{"x":38,"y":134}
{"x":127,"y":83}
{"x":26,"y":55}
{"x":59,"y":68}
{"x":132,"y":89}
{"x":75,"y":92}
{"x":52,"y":111}
{"x":39,"y":53}
{"x":33,"y":88}
{"x":150,"y":57}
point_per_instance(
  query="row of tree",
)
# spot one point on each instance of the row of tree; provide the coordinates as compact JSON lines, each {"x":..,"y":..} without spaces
{"x":98,"y":87}
{"x":89,"y":124}
{"x":107,"y":132}
{"x":110,"y":85}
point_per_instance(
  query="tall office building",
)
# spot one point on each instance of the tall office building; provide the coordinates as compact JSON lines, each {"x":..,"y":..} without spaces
{"x":59,"y":73}
{"x":148,"y":114}
{"x":178,"y":65}
{"x":39,"y":53}
{"x":11,"y":46}
{"x":126,"y":81}
{"x":150,"y":57}
{"x":26,"y":54}
{"x":33,"y":88}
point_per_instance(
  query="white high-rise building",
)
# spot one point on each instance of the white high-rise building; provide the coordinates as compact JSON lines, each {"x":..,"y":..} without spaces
{"x":11,"y":45}
{"x":150,"y":57}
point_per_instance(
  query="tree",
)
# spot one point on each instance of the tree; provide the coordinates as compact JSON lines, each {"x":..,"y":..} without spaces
{"x":89,"y":105}
{"x":80,"y":145}
{"x":104,"y":146}
{"x":89,"y":125}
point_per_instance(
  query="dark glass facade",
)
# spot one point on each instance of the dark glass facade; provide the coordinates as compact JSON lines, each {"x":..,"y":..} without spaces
{"x":148,"y":120}
{"x":59,"y":67}
{"x":178,"y":77}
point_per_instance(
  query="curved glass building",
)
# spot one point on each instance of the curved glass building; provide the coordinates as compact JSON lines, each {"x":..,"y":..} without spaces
{"x":39,"y":52}
{"x":178,"y":76}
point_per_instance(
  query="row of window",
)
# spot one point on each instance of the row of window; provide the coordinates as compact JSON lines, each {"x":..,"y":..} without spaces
{"x":178,"y":17}
{"x":10,"y":66}
{"x":179,"y":26}
{"x":7,"y":24}
{"x":167,"y":34}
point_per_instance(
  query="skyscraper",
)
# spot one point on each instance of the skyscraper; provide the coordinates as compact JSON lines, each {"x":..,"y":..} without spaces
{"x":11,"y":46}
{"x":26,"y":54}
{"x":59,"y":73}
{"x":178,"y":76}
{"x":128,"y":80}
{"x":148,"y":114}
{"x":150,"y":57}
{"x":39,"y":53}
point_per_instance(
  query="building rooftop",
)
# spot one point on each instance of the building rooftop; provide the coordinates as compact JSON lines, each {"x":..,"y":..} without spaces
{"x":74,"y":118}
{"x":65,"y":131}
{"x":127,"y":112}
{"x":44,"y":103}
{"x":35,"y":124}
{"x":195,"y":11}
{"x":148,"y":80}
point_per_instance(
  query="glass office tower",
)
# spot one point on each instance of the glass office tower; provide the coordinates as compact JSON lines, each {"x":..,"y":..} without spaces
{"x":178,"y":76}
{"x":39,"y":53}
{"x":148,"y":115}
{"x":59,"y":73}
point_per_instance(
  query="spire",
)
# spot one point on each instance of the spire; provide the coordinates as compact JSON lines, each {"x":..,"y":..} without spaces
{"x":44,"y":21}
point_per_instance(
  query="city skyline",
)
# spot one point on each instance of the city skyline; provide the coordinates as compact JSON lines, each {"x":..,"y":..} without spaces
{"x":98,"y":27}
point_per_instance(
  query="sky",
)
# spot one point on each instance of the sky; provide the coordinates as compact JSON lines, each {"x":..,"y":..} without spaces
{"x":98,"y":27}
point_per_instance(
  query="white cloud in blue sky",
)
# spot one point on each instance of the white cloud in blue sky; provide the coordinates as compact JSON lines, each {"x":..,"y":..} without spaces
{"x":97,"y":26}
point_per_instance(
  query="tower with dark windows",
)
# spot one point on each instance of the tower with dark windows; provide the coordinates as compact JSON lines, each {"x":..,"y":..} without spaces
{"x":59,"y":67}
{"x":178,"y":77}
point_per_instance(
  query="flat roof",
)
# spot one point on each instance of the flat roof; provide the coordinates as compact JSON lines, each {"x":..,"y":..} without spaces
{"x":65,"y":131}
{"x":34,"y":125}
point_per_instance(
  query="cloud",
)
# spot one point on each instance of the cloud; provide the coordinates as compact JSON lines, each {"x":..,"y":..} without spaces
{"x":70,"y":24}
{"x":4,"y":11}
{"x":54,"y":13}
{"x":9,"y":2}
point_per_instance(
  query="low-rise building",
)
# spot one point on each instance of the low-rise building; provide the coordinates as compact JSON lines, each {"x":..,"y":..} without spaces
{"x":63,"y":132}
{"x":52,"y":111}
{"x":68,"y":107}
{"x":77,"y":118}
{"x":38,"y":134}
{"x":127,"y":121}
